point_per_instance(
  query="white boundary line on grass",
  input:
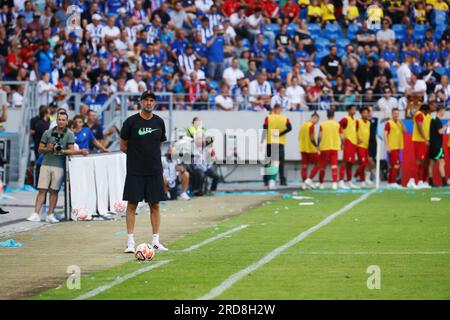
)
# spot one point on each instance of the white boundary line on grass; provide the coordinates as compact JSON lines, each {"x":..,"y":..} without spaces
{"x":198,"y":245}
{"x":273,"y":254}
{"x":362,"y":253}
{"x":119,"y":280}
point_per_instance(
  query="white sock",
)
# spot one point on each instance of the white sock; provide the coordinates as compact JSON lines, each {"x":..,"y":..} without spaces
{"x":156,"y":237}
{"x":130,"y":238}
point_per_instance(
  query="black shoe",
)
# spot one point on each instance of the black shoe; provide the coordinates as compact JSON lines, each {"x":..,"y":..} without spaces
{"x":430,"y":182}
{"x":3,"y":211}
{"x":444,"y":182}
{"x":283,"y":182}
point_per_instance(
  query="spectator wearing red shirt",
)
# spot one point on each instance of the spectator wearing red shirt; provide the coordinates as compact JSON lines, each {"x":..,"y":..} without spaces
{"x":291,"y":11}
{"x":230,"y":7}
{"x":271,"y":10}
{"x":27,"y":53}
{"x":193,"y":88}
{"x":13,"y":63}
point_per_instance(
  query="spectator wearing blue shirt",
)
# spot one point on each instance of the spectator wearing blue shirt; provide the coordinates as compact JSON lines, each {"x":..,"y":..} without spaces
{"x":84,"y":135}
{"x":71,"y":47}
{"x":149,"y":59}
{"x":45,"y":59}
{"x":215,"y":46}
{"x":178,"y":44}
{"x":430,"y":54}
{"x":259,"y":50}
{"x":389,"y":55}
{"x":272,"y":65}
{"x":199,"y":47}
{"x":112,"y":6}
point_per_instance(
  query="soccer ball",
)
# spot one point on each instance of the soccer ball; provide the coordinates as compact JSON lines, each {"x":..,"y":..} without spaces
{"x":81,"y":214}
{"x":120,"y":207}
{"x":145,"y":252}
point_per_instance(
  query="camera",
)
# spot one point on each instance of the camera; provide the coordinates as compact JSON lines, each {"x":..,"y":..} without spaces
{"x":57,"y":149}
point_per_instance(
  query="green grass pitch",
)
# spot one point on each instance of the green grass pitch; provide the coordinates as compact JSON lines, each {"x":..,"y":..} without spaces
{"x":404,"y":233}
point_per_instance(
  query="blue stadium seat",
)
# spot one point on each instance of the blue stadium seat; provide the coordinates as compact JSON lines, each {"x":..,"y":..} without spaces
{"x":319,"y":56}
{"x":167,"y":69}
{"x":342,"y":43}
{"x":351,"y":31}
{"x":246,"y":42}
{"x":315,"y":30}
{"x":439,"y":17}
{"x":400,"y":32}
{"x":292,"y":27}
{"x":333,"y":32}
{"x":274,"y":27}
{"x":285,"y":69}
{"x":322,"y":44}
{"x":441,"y":70}
{"x":214,"y":85}
{"x":440,"y":28}
{"x":419,"y":31}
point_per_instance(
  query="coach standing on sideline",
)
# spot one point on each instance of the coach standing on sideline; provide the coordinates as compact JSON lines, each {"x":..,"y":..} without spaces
{"x":141,"y":138}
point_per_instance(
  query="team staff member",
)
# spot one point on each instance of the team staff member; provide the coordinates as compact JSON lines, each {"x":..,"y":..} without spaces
{"x":141,"y":138}
{"x":363,"y":135}
{"x":437,"y":130}
{"x":421,"y":142}
{"x":309,"y":150}
{"x":372,"y":145}
{"x":195,"y":129}
{"x":393,"y":135}
{"x":277,"y":126}
{"x":84,"y":135}
{"x":329,"y":145}
{"x":348,"y":128}
{"x":55,"y":144}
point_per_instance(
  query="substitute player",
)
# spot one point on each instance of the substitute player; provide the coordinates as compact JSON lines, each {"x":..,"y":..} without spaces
{"x":421,"y":142}
{"x":363,"y":135}
{"x":141,"y":138}
{"x":436,"y":151}
{"x":329,"y":145}
{"x":393,"y":135}
{"x":309,"y":150}
{"x":348,"y":127}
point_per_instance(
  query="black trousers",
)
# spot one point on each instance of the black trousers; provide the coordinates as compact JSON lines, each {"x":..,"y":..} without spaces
{"x":199,"y":176}
{"x":281,"y":157}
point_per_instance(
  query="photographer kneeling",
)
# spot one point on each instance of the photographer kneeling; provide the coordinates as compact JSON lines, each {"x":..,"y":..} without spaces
{"x":55,"y":144}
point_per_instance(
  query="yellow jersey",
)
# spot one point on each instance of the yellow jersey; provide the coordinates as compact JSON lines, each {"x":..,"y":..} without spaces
{"x":419,"y":116}
{"x":304,"y":138}
{"x":395,"y":135}
{"x":350,"y":130}
{"x":363,"y":133}
{"x":352,"y":13}
{"x":331,"y":139}
{"x":276,"y":123}
{"x":314,"y":10}
{"x":328,"y":12}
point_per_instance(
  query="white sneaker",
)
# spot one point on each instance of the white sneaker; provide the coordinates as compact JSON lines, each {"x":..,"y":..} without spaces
{"x":272,"y":184}
{"x":303,"y":186}
{"x":411,"y":184}
{"x":365,"y":185}
{"x":158,"y":246}
{"x":342,"y":185}
{"x":353,"y":185}
{"x":34,"y":217}
{"x":43,"y":212}
{"x":334,"y":186}
{"x":129,"y":248}
{"x":310,"y":184}
{"x":368,"y":176}
{"x":394,"y":186}
{"x":321,"y":186}
{"x":184,"y":196}
{"x":423,"y":185}
{"x":51,"y":219}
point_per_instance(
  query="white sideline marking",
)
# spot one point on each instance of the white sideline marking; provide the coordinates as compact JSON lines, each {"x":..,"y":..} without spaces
{"x":198,"y":245}
{"x":424,"y":253}
{"x":119,"y":280}
{"x":239,"y":275}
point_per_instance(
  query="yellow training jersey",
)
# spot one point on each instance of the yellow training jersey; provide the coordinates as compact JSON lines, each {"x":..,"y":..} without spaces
{"x":276,"y":122}
{"x":331,"y":139}
{"x":426,"y":121}
{"x":395,"y":135}
{"x":363,"y":133}
{"x":350,"y":131}
{"x":328,"y":12}
{"x":304,"y":138}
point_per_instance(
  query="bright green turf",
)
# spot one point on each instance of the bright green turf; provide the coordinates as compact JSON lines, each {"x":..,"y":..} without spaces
{"x":391,"y":221}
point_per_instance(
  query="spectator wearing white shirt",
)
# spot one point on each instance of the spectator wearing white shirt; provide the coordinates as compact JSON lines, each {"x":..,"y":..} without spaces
{"x":281,"y":99}
{"x":238,"y":21}
{"x":260,"y":91}
{"x":255,"y":26}
{"x":110,"y":31}
{"x":204,"y":5}
{"x":205,"y":29}
{"x":385,"y":35}
{"x":387,"y":103}
{"x":296,"y":95}
{"x":223,"y":100}
{"x":186,"y":61}
{"x":442,"y":91}
{"x":404,"y":74}
{"x":123,"y":44}
{"x":178,"y":16}
{"x":95,"y":28}
{"x":46,"y":90}
{"x":418,"y":87}
{"x":311,"y":73}
{"x":133,"y":85}
{"x":232,"y":74}
{"x":17,"y":97}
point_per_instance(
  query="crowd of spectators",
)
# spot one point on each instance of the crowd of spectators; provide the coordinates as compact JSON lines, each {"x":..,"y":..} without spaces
{"x":230,"y":54}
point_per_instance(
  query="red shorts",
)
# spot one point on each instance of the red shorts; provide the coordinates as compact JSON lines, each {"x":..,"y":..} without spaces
{"x":363,"y":155}
{"x":330,"y":156}
{"x":394,"y":157}
{"x":310,"y":158}
{"x":349,"y":152}
{"x":421,"y":150}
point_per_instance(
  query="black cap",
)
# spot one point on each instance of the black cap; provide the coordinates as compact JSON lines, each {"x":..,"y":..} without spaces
{"x":148,"y":94}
